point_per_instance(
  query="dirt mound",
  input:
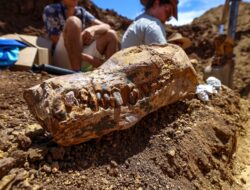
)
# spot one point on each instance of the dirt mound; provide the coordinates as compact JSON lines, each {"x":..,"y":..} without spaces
{"x":188,"y":145}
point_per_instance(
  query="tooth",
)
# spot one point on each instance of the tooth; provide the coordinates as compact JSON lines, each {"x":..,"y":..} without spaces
{"x":145,"y":89}
{"x":84,"y":95}
{"x":99,"y":99}
{"x":112,"y":102}
{"x":162,"y":82}
{"x":59,"y":110}
{"x":132,"y":99}
{"x":137,"y":93}
{"x":105,"y":88}
{"x":99,"y":96}
{"x":60,"y":114}
{"x":134,"y":96}
{"x":125,"y":90}
{"x":131,"y":86}
{"x":93,"y":104}
{"x":70,"y":99}
{"x":106,"y":101}
{"x":118,"y":98}
{"x":154,"y":86}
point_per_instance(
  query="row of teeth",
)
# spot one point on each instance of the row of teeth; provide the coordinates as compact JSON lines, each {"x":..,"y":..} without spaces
{"x":97,"y":98}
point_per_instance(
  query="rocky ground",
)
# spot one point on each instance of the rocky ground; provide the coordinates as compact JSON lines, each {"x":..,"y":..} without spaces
{"x":187,"y":145}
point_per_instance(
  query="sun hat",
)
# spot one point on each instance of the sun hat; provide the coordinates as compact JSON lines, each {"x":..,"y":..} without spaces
{"x":178,"y":39}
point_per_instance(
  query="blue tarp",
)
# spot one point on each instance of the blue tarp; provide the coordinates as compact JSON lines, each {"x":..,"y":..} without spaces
{"x":9,"y":51}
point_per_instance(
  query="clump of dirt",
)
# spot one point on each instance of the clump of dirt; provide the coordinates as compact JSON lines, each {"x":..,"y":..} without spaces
{"x":187,"y":145}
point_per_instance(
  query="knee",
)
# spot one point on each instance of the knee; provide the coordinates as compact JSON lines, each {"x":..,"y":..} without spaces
{"x":112,"y":35}
{"x":73,"y":23}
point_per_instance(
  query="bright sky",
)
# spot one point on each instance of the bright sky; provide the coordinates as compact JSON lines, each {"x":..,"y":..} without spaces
{"x":187,"y":9}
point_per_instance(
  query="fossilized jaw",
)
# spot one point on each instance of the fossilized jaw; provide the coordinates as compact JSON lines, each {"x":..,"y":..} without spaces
{"x":133,"y":83}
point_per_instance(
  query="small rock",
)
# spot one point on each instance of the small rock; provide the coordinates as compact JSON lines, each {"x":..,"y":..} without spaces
{"x":3,"y":154}
{"x":170,"y":132}
{"x":46,"y":168}
{"x":187,"y":129}
{"x":55,"y":167}
{"x":3,"y":116}
{"x":37,"y":153}
{"x":22,"y":175}
{"x":113,"y":164}
{"x":4,"y":142}
{"x":33,"y":130}
{"x":6,"y":180}
{"x":20,"y":157}
{"x":6,"y":164}
{"x":67,"y":182}
{"x":11,"y":137}
{"x":179,"y":133}
{"x":224,"y":158}
{"x":77,"y":174}
{"x":171,"y":153}
{"x":26,"y":165}
{"x":23,"y":141}
{"x":167,"y":139}
{"x":243,"y":180}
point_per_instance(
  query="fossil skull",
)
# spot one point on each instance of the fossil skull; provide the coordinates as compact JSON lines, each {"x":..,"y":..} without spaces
{"x":131,"y":84}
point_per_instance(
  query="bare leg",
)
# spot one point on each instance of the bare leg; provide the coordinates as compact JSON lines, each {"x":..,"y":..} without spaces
{"x":107,"y":44}
{"x":72,"y":34}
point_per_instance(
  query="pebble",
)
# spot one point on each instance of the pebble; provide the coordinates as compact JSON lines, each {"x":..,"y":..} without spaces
{"x":46,"y":168}
{"x":55,"y":167}
{"x":187,"y":129}
{"x":6,"y":164}
{"x":2,"y":154}
{"x":77,"y":174}
{"x":243,"y":180}
{"x":11,"y":137}
{"x":23,"y":141}
{"x":167,"y":139}
{"x":171,"y":153}
{"x":113,"y":164}
{"x":179,"y":133}
{"x":3,"y":116}
{"x":26,"y":165}
{"x":33,"y":130}
{"x":67,"y":182}
{"x":37,"y":153}
{"x":20,"y":157}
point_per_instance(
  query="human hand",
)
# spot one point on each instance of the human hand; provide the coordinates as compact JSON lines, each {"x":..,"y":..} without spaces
{"x":87,"y":36}
{"x":94,"y":61}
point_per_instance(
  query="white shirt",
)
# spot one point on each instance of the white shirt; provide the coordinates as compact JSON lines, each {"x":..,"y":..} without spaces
{"x":144,"y":30}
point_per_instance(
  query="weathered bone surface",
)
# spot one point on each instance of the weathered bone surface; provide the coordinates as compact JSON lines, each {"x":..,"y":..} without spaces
{"x":131,"y":84}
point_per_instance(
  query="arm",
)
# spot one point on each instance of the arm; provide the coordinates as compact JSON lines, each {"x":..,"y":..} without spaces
{"x":97,"y":28}
{"x":88,"y":36}
{"x":95,"y":62}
